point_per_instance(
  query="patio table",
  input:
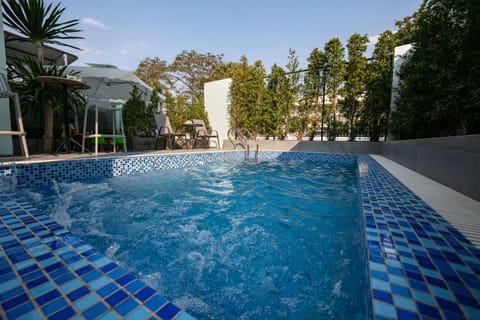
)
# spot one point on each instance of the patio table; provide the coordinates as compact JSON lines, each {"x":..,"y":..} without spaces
{"x":65,"y":84}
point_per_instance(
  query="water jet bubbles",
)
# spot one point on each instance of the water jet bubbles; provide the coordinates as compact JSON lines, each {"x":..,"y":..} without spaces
{"x":112,"y":249}
{"x":337,"y":290}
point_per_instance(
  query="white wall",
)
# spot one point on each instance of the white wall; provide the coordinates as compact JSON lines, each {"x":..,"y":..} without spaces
{"x":216,"y":94}
{"x":5,"y":141}
{"x":401,"y":53}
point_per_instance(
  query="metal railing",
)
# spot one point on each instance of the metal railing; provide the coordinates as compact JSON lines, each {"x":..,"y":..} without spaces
{"x":237,"y":138}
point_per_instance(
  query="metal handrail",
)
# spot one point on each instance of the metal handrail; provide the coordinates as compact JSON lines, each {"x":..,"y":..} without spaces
{"x":237,"y":137}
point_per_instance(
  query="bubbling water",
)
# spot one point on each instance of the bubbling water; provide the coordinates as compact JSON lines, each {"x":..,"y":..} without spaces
{"x":279,"y":240}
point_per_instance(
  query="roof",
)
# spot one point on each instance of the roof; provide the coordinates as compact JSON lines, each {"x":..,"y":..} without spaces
{"x":16,"y":47}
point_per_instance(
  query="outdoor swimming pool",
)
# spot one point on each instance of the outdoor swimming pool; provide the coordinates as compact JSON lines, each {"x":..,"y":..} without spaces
{"x":420,"y":266}
{"x":273,"y":239}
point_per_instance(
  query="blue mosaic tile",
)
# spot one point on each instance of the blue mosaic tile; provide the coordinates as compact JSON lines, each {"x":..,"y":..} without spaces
{"x":95,"y":311}
{"x":420,"y":266}
{"x":169,"y":311}
{"x":155,"y":303}
{"x":126,"y":306}
{"x":432,"y":253}
{"x":407,"y":315}
{"x":20,"y":310}
{"x":54,"y":306}
{"x":107,"y":290}
{"x":65,"y":313}
{"x":116,"y":298}
{"x":47,"y":297}
{"x":145,"y":293}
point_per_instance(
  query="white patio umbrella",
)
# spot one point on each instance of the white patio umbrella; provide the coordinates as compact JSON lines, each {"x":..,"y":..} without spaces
{"x":109,"y":86}
{"x":107,"y":80}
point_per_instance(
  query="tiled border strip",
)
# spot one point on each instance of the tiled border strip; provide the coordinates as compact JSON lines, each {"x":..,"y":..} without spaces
{"x":420,"y":266}
{"x":42,"y":173}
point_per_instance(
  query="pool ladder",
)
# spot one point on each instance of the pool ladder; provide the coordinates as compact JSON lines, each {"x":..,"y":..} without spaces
{"x":238,"y":139}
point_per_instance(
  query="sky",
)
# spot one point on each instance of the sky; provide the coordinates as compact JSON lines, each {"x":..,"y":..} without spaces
{"x":124,"y":32}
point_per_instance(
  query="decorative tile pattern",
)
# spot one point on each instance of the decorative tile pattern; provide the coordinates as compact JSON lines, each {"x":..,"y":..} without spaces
{"x":37,"y":174}
{"x":46,"y":272}
{"x":420,"y":266}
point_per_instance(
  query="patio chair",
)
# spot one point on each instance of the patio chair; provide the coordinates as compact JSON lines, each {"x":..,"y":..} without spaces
{"x":164,"y":129}
{"x":6,"y":92}
{"x":202,"y":136}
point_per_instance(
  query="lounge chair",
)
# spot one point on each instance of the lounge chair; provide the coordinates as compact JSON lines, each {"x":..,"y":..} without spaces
{"x":164,"y":129}
{"x":6,"y":92}
{"x":202,"y":136}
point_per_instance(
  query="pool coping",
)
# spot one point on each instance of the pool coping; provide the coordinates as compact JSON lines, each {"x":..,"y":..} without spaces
{"x":460,"y":210}
{"x":420,"y":265}
{"x":406,"y":281}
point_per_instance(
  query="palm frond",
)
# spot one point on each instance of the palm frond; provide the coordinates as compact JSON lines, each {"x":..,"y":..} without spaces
{"x":39,"y":22}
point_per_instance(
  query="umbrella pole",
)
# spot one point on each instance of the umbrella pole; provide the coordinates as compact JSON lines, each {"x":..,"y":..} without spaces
{"x":65,"y":117}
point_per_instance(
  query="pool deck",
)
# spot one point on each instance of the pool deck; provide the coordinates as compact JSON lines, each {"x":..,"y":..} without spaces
{"x":461,"y":211}
{"x":420,"y":266}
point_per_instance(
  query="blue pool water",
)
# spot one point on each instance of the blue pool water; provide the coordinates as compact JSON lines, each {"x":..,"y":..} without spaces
{"x":277,"y":239}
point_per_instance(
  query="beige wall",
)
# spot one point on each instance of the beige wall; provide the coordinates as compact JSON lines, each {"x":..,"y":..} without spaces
{"x":216,"y":95}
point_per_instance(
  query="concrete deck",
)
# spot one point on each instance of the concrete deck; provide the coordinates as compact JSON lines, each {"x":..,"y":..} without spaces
{"x":461,"y":211}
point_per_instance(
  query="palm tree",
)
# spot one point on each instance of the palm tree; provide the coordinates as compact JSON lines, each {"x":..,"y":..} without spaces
{"x":41,"y":24}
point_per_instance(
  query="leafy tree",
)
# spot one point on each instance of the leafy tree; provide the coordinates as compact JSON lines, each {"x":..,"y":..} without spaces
{"x":303,"y":113}
{"x":176,"y":110}
{"x":334,"y":75}
{"x":271,"y":113}
{"x":355,"y":80}
{"x":154,"y":72}
{"x":246,"y":94}
{"x":374,"y":117}
{"x":258,"y":75}
{"x":135,"y":114}
{"x":191,"y":70}
{"x":308,"y":112}
{"x":439,"y":82}
{"x":289,"y":95}
{"x":154,"y":106}
{"x":41,"y":24}
{"x":182,"y":82}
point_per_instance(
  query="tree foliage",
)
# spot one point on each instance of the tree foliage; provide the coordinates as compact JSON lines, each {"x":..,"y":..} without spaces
{"x":190,"y":70}
{"x":374,"y":116}
{"x":136,"y":116}
{"x":289,"y":95}
{"x":355,"y":81}
{"x":247,"y":95}
{"x":182,"y":82}
{"x":39,"y":23}
{"x":34,"y":95}
{"x":334,"y":77}
{"x":154,"y":72}
{"x":271,"y":117}
{"x":439,"y":92}
{"x":308,"y":110}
